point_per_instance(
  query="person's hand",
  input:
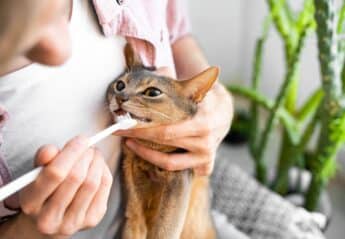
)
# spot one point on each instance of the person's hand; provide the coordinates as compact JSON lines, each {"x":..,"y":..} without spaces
{"x":199,"y":136}
{"x":71,"y":192}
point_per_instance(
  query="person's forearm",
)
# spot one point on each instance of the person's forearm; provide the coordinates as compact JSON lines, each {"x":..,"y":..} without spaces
{"x":18,"y":226}
{"x":190,"y":60}
{"x":188,"y":57}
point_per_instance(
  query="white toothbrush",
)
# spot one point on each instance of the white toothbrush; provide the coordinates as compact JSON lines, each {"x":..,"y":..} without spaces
{"x":123,"y":122}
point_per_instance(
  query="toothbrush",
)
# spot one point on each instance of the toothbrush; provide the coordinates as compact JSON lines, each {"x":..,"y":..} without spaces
{"x":123,"y":122}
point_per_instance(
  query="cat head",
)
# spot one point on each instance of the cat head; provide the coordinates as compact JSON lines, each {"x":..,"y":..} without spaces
{"x":152,"y":99}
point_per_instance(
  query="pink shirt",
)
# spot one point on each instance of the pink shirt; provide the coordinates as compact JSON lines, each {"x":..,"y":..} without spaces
{"x":150,"y":25}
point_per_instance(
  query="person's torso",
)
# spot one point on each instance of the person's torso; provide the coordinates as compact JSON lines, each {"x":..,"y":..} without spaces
{"x":51,"y":105}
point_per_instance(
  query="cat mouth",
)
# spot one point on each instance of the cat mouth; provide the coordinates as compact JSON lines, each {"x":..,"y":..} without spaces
{"x":121,"y":112}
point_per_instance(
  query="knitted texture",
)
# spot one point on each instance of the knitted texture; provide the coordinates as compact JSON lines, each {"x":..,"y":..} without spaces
{"x":256,"y":211}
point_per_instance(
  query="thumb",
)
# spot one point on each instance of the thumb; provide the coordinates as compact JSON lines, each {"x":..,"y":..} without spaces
{"x":45,"y":154}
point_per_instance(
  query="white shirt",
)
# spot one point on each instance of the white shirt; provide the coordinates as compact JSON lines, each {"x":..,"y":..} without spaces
{"x":50,"y":105}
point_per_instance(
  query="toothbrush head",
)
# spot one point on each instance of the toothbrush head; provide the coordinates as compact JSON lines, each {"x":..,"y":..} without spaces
{"x":126,"y":116}
{"x":127,"y":120}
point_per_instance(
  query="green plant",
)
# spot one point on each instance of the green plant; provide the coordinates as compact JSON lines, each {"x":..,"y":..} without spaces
{"x":324,"y":109}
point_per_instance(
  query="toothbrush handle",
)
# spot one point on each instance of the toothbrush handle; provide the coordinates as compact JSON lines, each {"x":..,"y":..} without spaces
{"x":26,"y":179}
{"x":19,"y":183}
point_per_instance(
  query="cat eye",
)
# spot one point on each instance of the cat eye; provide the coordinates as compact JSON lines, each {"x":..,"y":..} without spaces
{"x":120,"y":86}
{"x":152,"y":92}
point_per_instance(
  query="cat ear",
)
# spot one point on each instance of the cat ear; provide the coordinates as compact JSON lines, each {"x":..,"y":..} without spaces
{"x":197,"y":87}
{"x":132,"y":58}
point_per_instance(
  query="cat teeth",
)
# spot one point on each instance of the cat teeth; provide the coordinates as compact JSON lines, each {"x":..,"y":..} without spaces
{"x":118,"y":113}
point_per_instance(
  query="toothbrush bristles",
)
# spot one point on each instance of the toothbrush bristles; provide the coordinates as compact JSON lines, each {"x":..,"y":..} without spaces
{"x":126,"y":116}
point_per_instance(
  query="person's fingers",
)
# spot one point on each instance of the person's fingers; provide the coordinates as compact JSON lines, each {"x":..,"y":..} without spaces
{"x":98,"y":206}
{"x":198,"y":145}
{"x":67,"y":157}
{"x":170,"y":162}
{"x":45,"y":154}
{"x":75,"y":215}
{"x":53,"y":210}
{"x":52,"y":175}
{"x":163,"y":134}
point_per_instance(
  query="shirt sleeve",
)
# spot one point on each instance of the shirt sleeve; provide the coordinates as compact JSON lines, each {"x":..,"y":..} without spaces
{"x":178,"y":19}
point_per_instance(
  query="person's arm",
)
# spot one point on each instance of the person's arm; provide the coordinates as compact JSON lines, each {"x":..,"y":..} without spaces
{"x":188,"y":58}
{"x":189,"y":61}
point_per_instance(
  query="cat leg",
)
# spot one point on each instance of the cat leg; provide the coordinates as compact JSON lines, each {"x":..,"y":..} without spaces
{"x":171,"y":214}
{"x":135,"y":224}
{"x":199,"y":223}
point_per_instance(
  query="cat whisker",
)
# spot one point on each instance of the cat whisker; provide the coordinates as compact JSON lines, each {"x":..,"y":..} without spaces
{"x":161,"y":114}
{"x":147,"y":111}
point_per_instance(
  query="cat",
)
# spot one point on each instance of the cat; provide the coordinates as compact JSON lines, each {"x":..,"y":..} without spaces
{"x":161,"y":204}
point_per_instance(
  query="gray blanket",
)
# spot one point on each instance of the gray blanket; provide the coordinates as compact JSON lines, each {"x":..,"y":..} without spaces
{"x":243,"y":209}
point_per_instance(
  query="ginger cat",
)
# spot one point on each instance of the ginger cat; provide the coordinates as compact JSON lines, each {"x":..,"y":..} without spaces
{"x":161,"y":204}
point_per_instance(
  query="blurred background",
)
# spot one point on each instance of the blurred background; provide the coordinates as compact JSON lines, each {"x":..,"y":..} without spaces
{"x":227,"y":31}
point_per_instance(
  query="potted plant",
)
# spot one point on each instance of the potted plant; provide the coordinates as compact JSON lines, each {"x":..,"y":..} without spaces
{"x":322,"y":115}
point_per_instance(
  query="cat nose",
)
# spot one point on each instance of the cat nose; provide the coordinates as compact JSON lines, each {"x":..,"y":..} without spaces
{"x":122,"y":98}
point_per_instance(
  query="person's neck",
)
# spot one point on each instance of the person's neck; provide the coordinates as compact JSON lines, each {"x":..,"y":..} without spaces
{"x":14,"y":65}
